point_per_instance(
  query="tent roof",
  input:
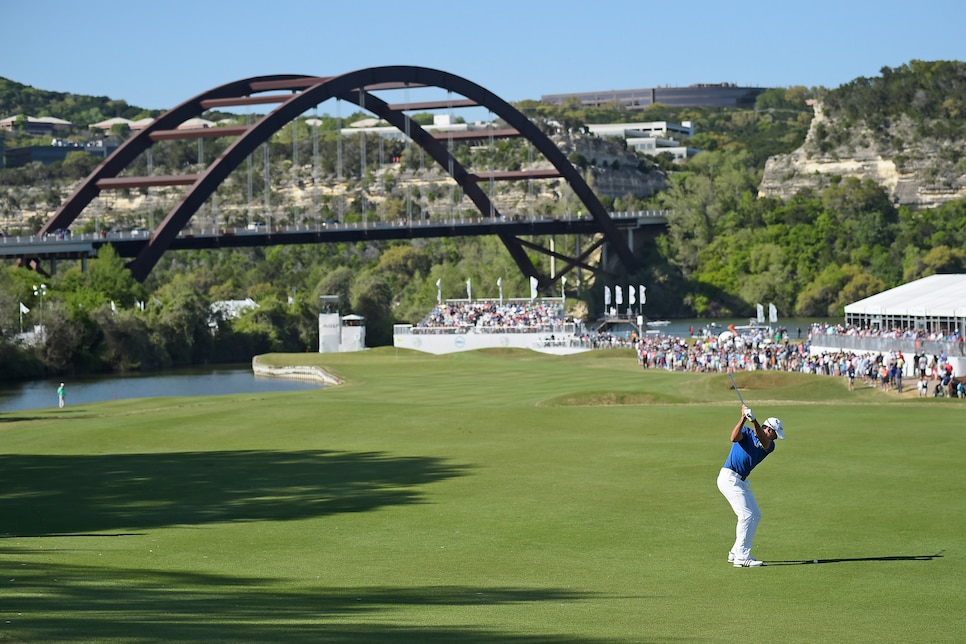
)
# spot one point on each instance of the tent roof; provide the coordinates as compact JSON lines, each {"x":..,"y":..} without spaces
{"x":933,"y":296}
{"x":111,"y":122}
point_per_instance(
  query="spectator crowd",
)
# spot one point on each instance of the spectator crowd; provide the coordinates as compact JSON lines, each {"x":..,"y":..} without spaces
{"x":895,"y":333}
{"x":519,"y":317}
{"x":727,"y":352}
{"x":886,"y":370}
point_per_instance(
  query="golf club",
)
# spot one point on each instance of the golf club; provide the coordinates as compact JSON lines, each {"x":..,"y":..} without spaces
{"x":740,"y":399}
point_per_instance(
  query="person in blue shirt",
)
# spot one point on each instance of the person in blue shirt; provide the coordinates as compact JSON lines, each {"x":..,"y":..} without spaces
{"x":749,"y":447}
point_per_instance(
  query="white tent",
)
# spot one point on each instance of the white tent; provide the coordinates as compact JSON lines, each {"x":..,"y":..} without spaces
{"x":933,"y":303}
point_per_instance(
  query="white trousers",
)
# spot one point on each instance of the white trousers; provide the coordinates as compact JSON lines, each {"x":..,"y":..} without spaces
{"x":743,"y":502}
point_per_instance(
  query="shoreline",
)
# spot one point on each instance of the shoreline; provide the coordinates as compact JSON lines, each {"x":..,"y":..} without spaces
{"x":295,"y":372}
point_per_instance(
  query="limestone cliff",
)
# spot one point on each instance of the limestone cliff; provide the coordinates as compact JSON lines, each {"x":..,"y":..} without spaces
{"x":922,"y":172}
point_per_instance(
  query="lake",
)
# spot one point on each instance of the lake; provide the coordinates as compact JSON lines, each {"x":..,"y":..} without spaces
{"x":207,"y":381}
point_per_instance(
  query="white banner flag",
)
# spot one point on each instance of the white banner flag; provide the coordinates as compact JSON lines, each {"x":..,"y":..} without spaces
{"x":618,"y":295}
{"x":643,"y":299}
{"x":439,"y":291}
{"x":761,"y":314}
{"x":630,"y":295}
{"x":772,"y":313}
{"x":23,"y":308}
{"x":469,"y":290}
{"x":533,"y":288}
{"x":606,"y":296}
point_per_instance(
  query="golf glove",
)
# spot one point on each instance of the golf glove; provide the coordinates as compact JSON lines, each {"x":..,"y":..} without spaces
{"x":749,"y":415}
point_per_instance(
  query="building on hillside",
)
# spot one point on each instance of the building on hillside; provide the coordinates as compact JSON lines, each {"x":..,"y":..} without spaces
{"x":651,"y":138}
{"x":685,"y":129}
{"x":56,"y":151}
{"x":111,"y":122}
{"x":700,"y":95}
{"x":442,"y":123}
{"x":35,"y":126}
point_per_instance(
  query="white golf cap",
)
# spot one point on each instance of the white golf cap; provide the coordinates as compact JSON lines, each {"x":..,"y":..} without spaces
{"x":776,"y":424}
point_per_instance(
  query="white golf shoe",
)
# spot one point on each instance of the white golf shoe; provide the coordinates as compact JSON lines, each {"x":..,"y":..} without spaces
{"x":751,"y":562}
{"x":731,"y":557}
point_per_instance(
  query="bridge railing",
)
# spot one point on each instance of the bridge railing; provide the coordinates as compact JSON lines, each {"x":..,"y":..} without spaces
{"x":655,"y":215}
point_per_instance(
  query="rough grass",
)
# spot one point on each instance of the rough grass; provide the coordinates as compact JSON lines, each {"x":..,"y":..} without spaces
{"x":482,"y":497}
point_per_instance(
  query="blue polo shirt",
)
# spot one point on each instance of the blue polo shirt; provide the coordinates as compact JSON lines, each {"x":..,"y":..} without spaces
{"x":747,"y":453}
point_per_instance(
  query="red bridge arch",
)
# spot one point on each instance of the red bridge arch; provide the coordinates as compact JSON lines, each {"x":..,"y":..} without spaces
{"x":301,"y":94}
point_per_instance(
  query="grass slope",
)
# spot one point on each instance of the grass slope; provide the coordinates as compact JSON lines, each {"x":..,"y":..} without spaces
{"x":485,"y":496}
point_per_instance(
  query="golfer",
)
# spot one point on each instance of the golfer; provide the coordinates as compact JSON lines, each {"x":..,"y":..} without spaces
{"x":61,"y":395}
{"x":749,"y":447}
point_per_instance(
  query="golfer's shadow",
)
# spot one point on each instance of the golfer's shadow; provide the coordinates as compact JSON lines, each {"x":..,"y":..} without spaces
{"x":802,"y":562}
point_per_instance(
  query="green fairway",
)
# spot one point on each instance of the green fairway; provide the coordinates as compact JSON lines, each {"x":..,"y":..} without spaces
{"x":483,"y":497}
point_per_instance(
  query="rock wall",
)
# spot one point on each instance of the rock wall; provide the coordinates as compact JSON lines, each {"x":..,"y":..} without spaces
{"x":917,"y":175}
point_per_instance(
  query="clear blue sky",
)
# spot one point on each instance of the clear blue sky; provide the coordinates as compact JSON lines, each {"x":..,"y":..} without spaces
{"x":518,"y":49}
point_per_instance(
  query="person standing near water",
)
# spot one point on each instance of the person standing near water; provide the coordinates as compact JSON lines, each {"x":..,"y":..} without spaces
{"x":60,"y":395}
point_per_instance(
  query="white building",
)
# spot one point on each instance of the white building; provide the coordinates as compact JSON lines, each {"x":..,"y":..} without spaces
{"x":442,"y":123}
{"x":650,"y":137}
{"x":935,"y":304}
{"x":339,"y":333}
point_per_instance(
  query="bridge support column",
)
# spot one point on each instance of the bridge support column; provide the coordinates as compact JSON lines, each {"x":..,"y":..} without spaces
{"x":553,"y":260}
{"x":580,"y":272}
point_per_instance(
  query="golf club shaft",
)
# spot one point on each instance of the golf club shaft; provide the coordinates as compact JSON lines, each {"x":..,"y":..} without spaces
{"x":740,"y":399}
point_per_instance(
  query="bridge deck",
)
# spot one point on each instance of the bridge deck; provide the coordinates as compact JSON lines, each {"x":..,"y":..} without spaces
{"x":128,"y":244}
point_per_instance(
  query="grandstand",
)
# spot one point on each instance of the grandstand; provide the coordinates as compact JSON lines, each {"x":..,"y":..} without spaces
{"x":466,"y":325}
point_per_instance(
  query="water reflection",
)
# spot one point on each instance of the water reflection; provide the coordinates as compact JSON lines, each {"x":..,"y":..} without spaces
{"x":232,"y":379}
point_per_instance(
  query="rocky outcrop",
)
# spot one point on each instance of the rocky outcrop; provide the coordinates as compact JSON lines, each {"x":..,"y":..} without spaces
{"x":921,"y":173}
{"x":616,"y":171}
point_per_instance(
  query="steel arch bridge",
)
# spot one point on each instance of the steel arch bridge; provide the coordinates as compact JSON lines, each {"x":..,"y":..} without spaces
{"x":294,"y":95}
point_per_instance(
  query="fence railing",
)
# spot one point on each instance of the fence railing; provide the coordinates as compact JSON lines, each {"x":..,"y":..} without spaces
{"x":565,"y":329}
{"x":882,"y":345}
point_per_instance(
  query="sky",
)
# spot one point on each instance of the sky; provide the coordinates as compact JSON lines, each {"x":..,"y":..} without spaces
{"x":156,"y":55}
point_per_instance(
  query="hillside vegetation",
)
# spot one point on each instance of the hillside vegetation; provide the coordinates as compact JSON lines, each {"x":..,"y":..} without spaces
{"x":903,"y":130}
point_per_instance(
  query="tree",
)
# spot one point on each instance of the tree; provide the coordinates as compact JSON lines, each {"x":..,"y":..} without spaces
{"x":338,"y":282}
{"x":401,"y":263}
{"x":63,"y":338}
{"x":126,"y":343}
{"x":372,"y":298}
{"x":179,"y":321}
{"x":941,"y":259}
